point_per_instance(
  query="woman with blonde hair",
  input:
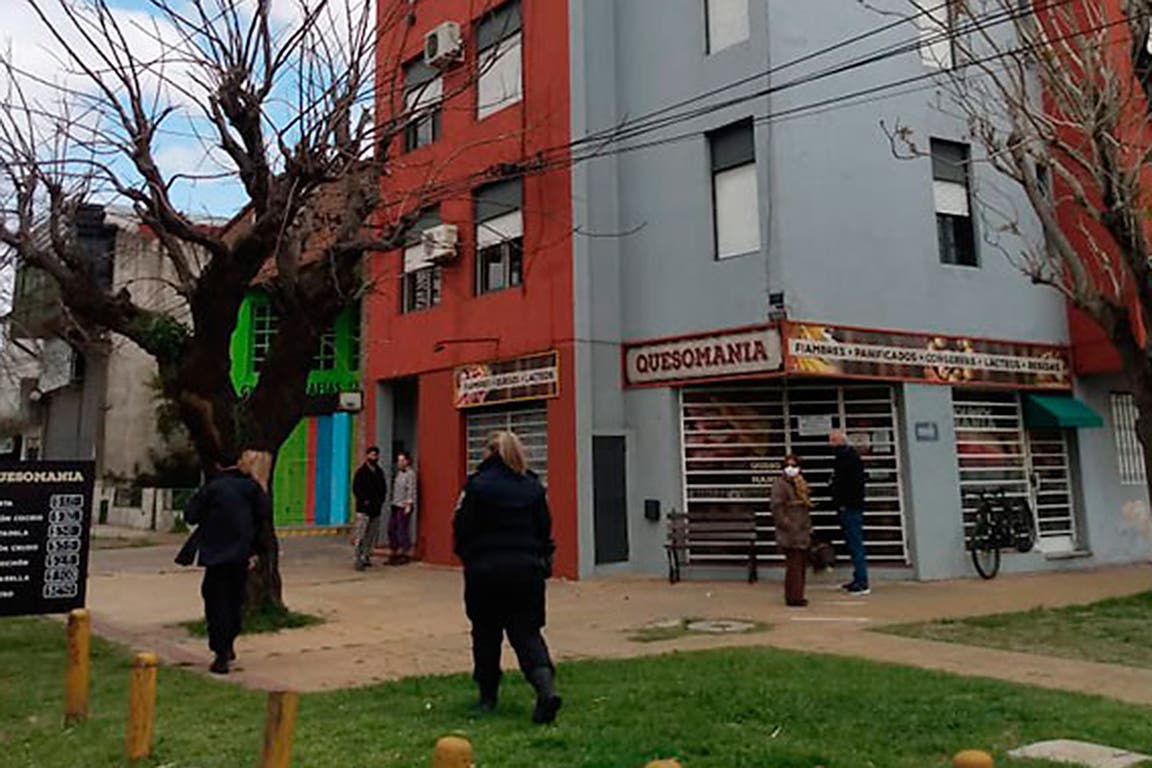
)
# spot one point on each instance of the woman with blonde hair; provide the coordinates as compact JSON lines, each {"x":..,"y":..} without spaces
{"x":792,"y":518}
{"x":503,"y":535}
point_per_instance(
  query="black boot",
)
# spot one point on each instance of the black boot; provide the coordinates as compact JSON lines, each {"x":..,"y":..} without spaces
{"x":219,"y":665}
{"x":488,"y":698}
{"x":547,"y":702}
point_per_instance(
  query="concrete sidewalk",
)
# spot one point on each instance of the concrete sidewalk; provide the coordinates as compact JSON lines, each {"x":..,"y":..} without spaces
{"x":388,"y":623}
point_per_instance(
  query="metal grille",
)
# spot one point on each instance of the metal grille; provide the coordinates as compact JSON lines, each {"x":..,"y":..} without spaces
{"x":995,"y":451}
{"x":530,"y":423}
{"x":1129,"y":452}
{"x":735,"y":439}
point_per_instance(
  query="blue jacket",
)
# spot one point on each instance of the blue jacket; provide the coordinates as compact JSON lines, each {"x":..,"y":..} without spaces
{"x":228,"y":510}
{"x":502,"y":525}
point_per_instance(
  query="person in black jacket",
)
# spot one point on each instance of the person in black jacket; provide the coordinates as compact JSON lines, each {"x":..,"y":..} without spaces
{"x":503,"y":535}
{"x":228,"y":510}
{"x":849,"y":479}
{"x":370,"y":489}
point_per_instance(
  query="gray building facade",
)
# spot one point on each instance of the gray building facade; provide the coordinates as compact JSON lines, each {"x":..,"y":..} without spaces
{"x":853,"y":249}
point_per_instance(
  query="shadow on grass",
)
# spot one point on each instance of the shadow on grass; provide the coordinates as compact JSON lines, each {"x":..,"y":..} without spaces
{"x":262,"y":622}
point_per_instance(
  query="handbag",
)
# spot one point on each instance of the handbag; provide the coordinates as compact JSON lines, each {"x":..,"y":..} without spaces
{"x":821,"y":555}
{"x":187,"y":554}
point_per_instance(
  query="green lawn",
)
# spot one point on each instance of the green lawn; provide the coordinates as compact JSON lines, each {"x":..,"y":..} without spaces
{"x":1117,"y":631}
{"x":727,"y":709}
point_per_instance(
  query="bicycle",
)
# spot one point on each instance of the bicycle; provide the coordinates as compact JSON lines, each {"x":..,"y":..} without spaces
{"x":1001,"y":523}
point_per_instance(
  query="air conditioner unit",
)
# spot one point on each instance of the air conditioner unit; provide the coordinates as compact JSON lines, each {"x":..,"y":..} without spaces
{"x":440,"y":243}
{"x":444,"y":45}
{"x":351,"y":401}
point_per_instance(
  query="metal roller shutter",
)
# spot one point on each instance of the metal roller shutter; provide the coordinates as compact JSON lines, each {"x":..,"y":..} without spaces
{"x":735,"y":439}
{"x":530,"y":423}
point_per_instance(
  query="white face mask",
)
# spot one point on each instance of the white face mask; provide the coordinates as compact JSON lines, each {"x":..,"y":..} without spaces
{"x":792,"y":471}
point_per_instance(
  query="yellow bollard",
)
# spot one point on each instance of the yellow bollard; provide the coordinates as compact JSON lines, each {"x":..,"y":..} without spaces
{"x":76,"y":679}
{"x":141,"y":706}
{"x":452,"y":752}
{"x":972,"y":758}
{"x":664,"y":764}
{"x":279,"y":728}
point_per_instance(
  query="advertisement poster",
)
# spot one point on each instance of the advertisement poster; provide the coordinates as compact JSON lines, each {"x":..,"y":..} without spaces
{"x":534,"y":377}
{"x":45,"y":517}
{"x":827,"y":350}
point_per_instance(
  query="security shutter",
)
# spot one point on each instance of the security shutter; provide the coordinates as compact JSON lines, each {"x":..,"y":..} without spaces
{"x":530,"y":423}
{"x":734,"y":442}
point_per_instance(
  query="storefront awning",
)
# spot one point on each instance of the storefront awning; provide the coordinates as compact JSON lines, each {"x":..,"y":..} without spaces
{"x":1062,"y":411}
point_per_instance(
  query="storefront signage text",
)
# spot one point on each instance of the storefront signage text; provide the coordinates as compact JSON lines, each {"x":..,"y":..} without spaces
{"x":45,"y":517}
{"x":526,"y":378}
{"x":836,"y":351}
{"x":741,"y":353}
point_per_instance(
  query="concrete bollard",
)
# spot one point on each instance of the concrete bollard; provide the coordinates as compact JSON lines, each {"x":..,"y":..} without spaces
{"x":664,"y":764}
{"x":972,"y":758}
{"x":141,"y":706}
{"x":79,"y":660}
{"x":452,"y":752}
{"x":279,"y":728}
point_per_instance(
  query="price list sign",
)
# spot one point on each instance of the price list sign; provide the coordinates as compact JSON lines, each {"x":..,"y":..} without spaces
{"x":45,"y":514}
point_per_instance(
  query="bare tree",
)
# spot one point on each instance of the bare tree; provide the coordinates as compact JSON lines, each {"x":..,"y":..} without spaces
{"x":1057,"y":94}
{"x":284,"y":105}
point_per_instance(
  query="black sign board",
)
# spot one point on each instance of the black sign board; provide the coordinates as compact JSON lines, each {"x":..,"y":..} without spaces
{"x":45,"y":515}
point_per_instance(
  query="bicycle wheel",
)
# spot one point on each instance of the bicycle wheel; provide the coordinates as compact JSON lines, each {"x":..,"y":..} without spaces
{"x":985,"y":552}
{"x":1023,"y":527}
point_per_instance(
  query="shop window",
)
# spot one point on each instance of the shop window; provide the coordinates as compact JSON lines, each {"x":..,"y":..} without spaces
{"x":500,"y":76}
{"x":735,"y":195}
{"x":421,"y":287}
{"x":939,"y":25}
{"x":726,"y":22}
{"x":1129,"y":451}
{"x":263,"y":329}
{"x":423,"y":94}
{"x":951,"y":191}
{"x":499,"y":236}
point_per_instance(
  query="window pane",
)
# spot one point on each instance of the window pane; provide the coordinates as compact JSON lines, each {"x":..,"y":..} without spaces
{"x":737,"y":211}
{"x":732,"y":145}
{"x":501,"y":77}
{"x":951,"y":198}
{"x":957,"y":240}
{"x":727,"y":23}
{"x":498,"y":230}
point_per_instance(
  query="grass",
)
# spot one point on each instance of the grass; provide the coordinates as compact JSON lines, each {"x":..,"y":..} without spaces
{"x":1116,"y":631}
{"x":746,"y":708}
{"x":122,"y":542}
{"x":268,"y":620}
{"x":677,"y":628}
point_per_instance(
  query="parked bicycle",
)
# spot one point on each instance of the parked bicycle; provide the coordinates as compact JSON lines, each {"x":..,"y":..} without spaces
{"x":1002,"y":522}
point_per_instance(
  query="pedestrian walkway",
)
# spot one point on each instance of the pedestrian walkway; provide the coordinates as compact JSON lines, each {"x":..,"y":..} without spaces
{"x":387,"y":623}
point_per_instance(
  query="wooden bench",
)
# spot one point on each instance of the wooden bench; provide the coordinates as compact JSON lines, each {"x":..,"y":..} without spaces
{"x":736,"y":533}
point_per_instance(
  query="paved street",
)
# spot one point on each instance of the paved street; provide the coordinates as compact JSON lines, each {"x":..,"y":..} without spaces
{"x":389,"y":623}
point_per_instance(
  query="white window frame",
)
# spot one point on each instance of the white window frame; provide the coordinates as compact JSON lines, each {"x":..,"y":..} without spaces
{"x":1129,"y":451}
{"x":505,"y":233}
{"x":736,"y":199}
{"x":501,"y":80}
{"x":727,"y":24}
{"x":423,"y":105}
{"x":417,"y":268}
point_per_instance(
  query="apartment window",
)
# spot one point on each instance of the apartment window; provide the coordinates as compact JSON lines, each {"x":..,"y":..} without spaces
{"x":938,"y":27}
{"x":726,"y":22}
{"x":325,"y":359}
{"x":499,"y":236}
{"x":950,"y":189}
{"x":735,"y":192}
{"x":423,"y":93}
{"x":1129,"y":451}
{"x":500,"y":43}
{"x":422,"y":278}
{"x":263,"y":329}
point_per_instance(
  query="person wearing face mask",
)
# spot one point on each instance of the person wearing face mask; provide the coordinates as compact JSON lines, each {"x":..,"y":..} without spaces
{"x":791,"y":514}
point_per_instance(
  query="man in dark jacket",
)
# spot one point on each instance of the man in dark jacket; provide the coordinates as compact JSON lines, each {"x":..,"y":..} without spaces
{"x":228,"y":510}
{"x":849,"y":479}
{"x":370,"y":489}
{"x":503,"y":535}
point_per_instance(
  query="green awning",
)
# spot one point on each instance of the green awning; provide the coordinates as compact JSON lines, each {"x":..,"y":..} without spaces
{"x":1061,"y":411}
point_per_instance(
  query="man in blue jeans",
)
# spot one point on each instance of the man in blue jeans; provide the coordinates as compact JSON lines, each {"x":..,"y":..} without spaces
{"x":848,"y":480}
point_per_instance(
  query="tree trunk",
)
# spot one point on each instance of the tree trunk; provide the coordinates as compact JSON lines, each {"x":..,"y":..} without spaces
{"x":265,"y":587}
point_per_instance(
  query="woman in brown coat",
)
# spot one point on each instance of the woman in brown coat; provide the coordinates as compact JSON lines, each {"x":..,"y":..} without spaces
{"x":791,"y":514}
